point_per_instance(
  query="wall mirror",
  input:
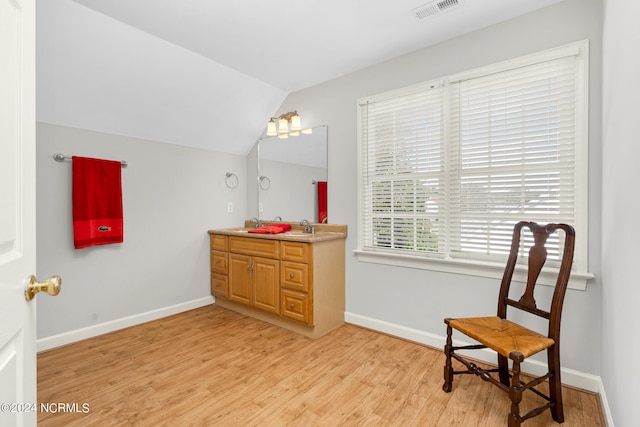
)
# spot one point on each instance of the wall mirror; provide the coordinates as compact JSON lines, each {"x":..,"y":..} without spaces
{"x":292,"y":177}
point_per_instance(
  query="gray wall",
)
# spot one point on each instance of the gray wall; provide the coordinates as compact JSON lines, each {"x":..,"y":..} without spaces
{"x":620,"y":206}
{"x":420,"y":299}
{"x":172,"y":195}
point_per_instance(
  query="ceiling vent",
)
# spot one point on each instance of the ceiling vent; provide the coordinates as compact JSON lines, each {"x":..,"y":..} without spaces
{"x":435,"y":7}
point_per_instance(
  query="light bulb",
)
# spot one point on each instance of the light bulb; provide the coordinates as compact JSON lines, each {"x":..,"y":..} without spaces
{"x":296,"y":123}
{"x":283,"y":126}
{"x":271,"y":128}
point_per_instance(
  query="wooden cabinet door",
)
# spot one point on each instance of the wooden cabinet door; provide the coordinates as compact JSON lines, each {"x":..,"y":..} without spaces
{"x":240,"y":278}
{"x":266,"y":290}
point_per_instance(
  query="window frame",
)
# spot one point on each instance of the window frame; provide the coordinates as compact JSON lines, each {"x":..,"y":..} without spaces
{"x":492,"y":268}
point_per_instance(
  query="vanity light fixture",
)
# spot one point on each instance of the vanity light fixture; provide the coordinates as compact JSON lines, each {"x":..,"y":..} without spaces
{"x":283,"y":130}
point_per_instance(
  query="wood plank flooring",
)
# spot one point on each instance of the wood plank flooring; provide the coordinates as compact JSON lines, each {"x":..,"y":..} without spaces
{"x":215,"y":367}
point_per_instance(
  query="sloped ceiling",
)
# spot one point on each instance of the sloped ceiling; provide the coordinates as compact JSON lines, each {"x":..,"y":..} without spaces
{"x":209,"y":73}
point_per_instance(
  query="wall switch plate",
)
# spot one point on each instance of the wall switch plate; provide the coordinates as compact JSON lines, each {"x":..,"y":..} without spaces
{"x":230,"y":207}
{"x":260,"y":207}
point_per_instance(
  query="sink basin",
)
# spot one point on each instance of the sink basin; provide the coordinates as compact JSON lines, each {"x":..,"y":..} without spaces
{"x":294,"y":234}
{"x":239,"y":230}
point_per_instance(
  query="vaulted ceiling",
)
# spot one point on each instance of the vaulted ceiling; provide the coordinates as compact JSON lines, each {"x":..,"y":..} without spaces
{"x":210,"y":73}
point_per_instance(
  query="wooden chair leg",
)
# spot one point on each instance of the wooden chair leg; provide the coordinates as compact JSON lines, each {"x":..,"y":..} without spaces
{"x":515,"y":393}
{"x":503,"y":366}
{"x":555,"y":384}
{"x":448,"y":368}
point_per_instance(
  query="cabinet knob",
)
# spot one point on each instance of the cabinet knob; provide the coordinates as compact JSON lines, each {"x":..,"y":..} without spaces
{"x":217,"y":285}
{"x":292,"y":305}
{"x":217,"y":261}
{"x":291,"y":276}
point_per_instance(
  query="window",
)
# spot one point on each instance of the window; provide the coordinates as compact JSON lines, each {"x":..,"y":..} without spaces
{"x":447,"y":168}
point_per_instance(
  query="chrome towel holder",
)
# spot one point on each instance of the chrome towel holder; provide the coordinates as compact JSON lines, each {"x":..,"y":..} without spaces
{"x":231,"y":180}
{"x":59,"y":157}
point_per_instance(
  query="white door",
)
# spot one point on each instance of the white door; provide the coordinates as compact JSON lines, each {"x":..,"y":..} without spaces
{"x":17,"y":212}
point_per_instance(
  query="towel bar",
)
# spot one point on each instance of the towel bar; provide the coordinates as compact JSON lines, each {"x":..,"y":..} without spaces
{"x":59,"y":157}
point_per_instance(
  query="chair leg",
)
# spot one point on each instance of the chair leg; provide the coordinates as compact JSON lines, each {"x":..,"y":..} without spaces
{"x":555,"y":384}
{"x":503,"y":366}
{"x":515,"y":393}
{"x":448,"y":368}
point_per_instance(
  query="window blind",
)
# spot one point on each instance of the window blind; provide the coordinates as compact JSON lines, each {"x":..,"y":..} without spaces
{"x":512,"y":136}
{"x":403,"y":172}
{"x":446,"y":169}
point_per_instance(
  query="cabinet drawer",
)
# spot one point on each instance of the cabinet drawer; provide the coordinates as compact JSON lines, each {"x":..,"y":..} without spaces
{"x":294,"y":276}
{"x":296,"y":306}
{"x":219,"y":242}
{"x":259,"y":247}
{"x":219,"y":285}
{"x":219,"y":262}
{"x":295,"y":251}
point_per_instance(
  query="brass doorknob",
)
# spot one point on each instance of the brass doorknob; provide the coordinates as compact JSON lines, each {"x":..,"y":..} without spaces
{"x":51,"y":286}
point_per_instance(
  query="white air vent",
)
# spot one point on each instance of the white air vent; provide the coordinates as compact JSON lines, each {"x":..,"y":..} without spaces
{"x":435,"y":7}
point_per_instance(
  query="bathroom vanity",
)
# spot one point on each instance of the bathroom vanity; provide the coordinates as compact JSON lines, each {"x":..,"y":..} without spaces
{"x":294,"y":280}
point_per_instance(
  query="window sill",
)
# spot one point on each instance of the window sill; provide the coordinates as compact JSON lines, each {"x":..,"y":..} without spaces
{"x":577,"y":280}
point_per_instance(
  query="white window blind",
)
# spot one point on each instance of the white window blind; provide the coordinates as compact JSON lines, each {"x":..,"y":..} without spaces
{"x":403,"y":171}
{"x":446,"y":169}
{"x":512,"y":141}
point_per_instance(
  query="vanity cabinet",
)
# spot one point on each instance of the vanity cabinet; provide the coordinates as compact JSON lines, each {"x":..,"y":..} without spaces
{"x":296,"y":282}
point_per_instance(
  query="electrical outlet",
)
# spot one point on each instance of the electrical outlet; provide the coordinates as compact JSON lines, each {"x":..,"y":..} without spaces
{"x":230,"y":207}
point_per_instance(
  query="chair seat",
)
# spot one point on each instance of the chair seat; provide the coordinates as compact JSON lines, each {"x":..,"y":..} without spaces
{"x":502,"y":335}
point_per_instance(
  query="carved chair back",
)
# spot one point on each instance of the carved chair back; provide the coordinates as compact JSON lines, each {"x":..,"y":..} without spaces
{"x":536,"y":260}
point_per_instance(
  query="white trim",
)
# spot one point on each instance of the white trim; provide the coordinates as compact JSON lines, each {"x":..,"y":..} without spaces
{"x":571,"y":49}
{"x":570,"y":377}
{"x":114,"y":325}
{"x":577,"y":280}
{"x":604,"y":403}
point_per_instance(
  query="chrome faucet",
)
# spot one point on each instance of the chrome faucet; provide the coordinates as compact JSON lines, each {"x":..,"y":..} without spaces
{"x":278,"y":218}
{"x":306,"y":227}
{"x":256,"y":221}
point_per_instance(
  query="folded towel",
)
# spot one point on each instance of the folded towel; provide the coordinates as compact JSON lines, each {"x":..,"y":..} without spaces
{"x":271,"y":229}
{"x":97,"y":202}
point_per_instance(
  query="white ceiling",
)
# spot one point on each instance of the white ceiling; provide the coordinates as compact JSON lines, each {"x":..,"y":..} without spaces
{"x":210,"y":73}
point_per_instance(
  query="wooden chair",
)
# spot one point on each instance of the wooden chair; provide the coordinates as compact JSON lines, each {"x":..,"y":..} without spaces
{"x":515,"y":342}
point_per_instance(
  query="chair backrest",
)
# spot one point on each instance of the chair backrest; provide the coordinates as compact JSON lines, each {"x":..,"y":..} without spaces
{"x":537,"y":258}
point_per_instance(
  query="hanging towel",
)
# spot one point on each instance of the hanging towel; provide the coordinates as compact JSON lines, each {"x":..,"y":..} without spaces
{"x":97,"y":202}
{"x":322,"y":201}
{"x":272,"y":229}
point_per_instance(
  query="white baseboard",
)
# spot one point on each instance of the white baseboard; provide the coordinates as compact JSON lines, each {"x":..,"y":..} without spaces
{"x":54,"y":341}
{"x":570,"y":377}
{"x":608,"y":418}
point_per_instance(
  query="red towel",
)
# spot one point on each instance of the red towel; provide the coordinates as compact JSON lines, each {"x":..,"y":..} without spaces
{"x":272,"y":229}
{"x":322,"y":201}
{"x":97,"y":202}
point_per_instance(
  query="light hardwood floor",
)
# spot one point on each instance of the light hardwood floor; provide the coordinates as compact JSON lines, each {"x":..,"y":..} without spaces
{"x":215,"y":367}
